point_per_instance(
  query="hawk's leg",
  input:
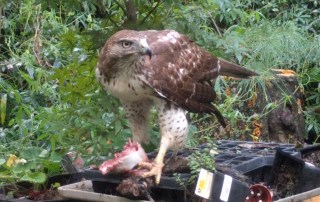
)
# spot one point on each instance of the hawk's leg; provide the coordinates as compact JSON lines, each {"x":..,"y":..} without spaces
{"x":156,"y":166}
{"x":137,"y":113}
{"x":174,"y":129}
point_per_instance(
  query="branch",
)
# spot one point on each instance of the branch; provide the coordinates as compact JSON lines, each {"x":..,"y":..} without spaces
{"x":151,"y":11}
{"x":215,"y":25}
{"x":131,"y":11}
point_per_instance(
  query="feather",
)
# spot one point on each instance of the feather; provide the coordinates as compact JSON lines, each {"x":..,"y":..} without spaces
{"x":234,"y":70}
{"x":184,"y":73}
{"x":179,"y":71}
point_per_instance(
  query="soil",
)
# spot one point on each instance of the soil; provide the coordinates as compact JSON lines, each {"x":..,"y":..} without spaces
{"x":48,"y":194}
{"x":138,"y":189}
{"x":283,"y":185}
{"x":313,"y":158}
{"x":25,"y":190}
{"x":287,"y":179}
{"x":31,"y":194}
{"x":176,"y":164}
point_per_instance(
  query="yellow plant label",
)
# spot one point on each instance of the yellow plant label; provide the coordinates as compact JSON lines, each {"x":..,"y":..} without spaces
{"x":204,"y":184}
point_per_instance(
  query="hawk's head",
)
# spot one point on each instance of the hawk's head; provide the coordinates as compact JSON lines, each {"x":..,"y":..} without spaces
{"x":120,"y":51}
{"x":127,"y":44}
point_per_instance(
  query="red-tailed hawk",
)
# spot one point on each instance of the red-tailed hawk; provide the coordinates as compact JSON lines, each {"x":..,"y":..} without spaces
{"x":165,"y":69}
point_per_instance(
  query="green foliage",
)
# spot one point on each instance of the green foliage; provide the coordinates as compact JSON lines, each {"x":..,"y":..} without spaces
{"x":266,"y":46}
{"x":203,"y":158}
{"x":258,"y":35}
{"x":47,"y":69}
{"x":200,"y":158}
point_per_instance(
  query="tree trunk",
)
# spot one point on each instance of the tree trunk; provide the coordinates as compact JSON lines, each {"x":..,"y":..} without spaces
{"x":285,"y":123}
{"x":131,"y":11}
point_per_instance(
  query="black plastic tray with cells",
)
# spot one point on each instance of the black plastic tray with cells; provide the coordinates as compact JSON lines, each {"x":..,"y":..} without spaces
{"x":242,"y":156}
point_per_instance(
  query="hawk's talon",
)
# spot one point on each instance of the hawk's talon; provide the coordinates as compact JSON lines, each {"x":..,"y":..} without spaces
{"x":155,"y":170}
{"x":146,"y":165}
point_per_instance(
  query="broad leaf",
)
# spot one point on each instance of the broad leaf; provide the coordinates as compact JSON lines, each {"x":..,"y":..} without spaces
{"x":37,"y":178}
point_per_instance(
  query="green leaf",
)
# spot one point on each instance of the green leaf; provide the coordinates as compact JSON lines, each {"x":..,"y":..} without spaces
{"x":55,"y":157}
{"x":257,"y":16}
{"x":51,"y":167}
{"x":117,"y":126}
{"x":55,"y":185}
{"x":37,"y":178}
{"x":43,"y":136}
{"x":2,"y":161}
{"x":44,"y":153}
{"x":310,"y":127}
{"x":53,"y":142}
{"x":89,"y":18}
{"x":19,"y":168}
{"x":30,"y":153}
{"x":3,"y":108}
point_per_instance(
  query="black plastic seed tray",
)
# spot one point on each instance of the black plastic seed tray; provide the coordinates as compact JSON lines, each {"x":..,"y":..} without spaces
{"x":166,"y":182}
{"x":248,"y":156}
{"x":254,"y":160}
{"x":242,"y":156}
{"x":235,"y":158}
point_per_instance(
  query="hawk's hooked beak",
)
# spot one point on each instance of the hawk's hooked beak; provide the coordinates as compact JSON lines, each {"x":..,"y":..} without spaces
{"x":145,"y":48}
{"x":148,"y":52}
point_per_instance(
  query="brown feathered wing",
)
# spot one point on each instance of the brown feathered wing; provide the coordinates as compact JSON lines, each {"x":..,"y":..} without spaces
{"x":184,"y":73}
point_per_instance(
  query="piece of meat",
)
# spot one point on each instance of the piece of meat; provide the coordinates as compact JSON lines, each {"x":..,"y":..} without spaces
{"x":124,"y":161}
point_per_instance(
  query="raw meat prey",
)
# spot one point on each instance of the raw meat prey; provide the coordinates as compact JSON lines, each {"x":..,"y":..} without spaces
{"x":131,"y":155}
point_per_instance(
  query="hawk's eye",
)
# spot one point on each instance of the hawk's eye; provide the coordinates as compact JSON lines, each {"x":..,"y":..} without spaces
{"x":126,"y":44}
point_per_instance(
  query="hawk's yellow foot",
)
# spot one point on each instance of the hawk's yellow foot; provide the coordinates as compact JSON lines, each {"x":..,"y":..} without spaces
{"x":155,"y":170}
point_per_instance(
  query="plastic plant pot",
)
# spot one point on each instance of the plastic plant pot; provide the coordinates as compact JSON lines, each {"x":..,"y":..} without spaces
{"x":227,"y":189}
{"x":259,"y":192}
{"x":291,"y":175}
{"x":258,"y":169}
{"x":82,"y":191}
{"x":158,"y":193}
{"x":311,"y":155}
{"x":167,"y":190}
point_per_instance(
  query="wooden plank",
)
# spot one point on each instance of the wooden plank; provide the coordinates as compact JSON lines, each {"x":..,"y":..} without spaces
{"x":314,"y":199}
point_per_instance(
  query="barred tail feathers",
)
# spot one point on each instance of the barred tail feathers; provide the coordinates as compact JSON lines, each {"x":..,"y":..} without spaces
{"x":234,"y":70}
